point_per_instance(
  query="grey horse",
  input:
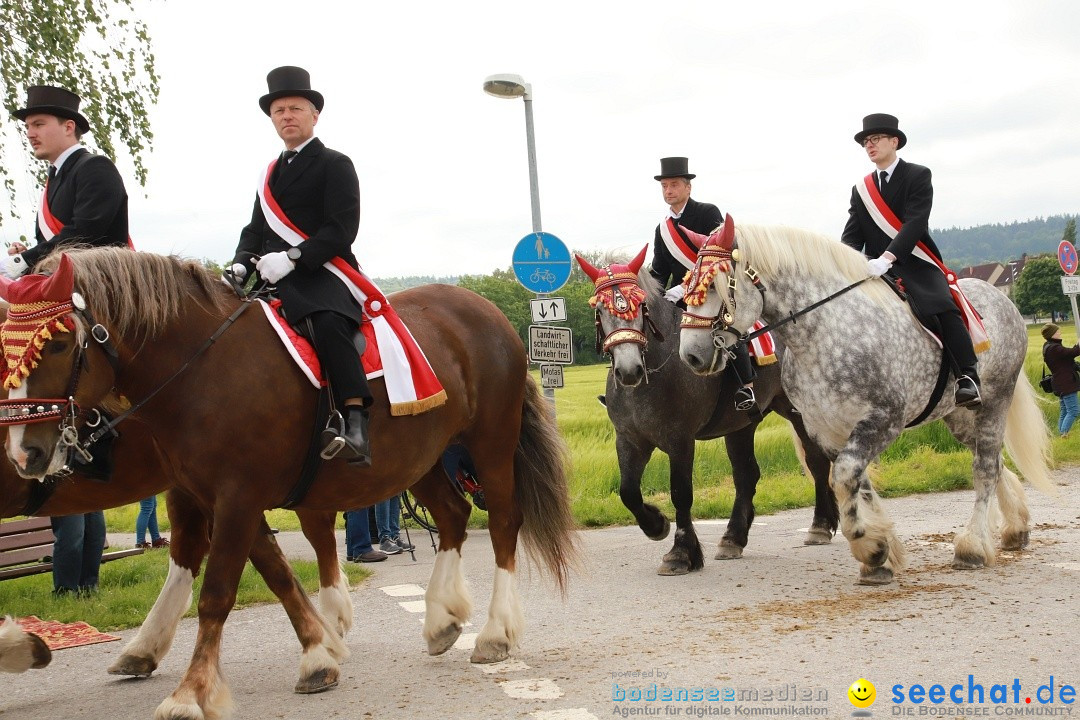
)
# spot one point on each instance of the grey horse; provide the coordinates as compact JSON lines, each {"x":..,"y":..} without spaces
{"x":655,"y":401}
{"x":860,"y":368}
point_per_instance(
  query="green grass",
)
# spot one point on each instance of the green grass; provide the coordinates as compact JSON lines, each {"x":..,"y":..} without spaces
{"x":129,"y":587}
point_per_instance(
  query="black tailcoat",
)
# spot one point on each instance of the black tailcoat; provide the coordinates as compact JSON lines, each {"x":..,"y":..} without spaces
{"x":697,"y":216}
{"x":319,"y":192}
{"x":910,"y":195}
{"x":88,"y":197}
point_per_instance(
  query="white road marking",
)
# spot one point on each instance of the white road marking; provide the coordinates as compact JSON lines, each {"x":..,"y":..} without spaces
{"x":402,"y":590}
{"x":414,"y":606}
{"x":466,"y":641}
{"x":532,"y":689}
{"x":503,"y":667}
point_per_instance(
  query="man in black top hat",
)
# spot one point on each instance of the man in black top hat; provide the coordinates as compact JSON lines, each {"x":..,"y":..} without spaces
{"x":84,"y":200}
{"x":314,"y":190}
{"x":908,"y":251}
{"x":674,"y":253}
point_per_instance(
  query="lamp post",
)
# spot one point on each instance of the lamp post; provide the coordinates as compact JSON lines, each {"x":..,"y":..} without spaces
{"x":514,"y":86}
{"x":508,"y":87}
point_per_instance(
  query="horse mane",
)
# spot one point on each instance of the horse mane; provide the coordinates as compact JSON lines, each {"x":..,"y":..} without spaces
{"x":779,"y":249}
{"x":138,"y":292}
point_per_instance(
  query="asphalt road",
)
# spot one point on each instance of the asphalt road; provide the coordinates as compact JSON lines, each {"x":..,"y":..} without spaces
{"x":785,"y":631}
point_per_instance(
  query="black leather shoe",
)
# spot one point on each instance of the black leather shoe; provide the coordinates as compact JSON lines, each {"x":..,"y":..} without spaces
{"x":967,"y":392}
{"x":744,"y":398}
{"x":356,"y":435}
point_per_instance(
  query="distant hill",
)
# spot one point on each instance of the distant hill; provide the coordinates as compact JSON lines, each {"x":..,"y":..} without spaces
{"x":987,"y":243}
{"x":389,"y":285}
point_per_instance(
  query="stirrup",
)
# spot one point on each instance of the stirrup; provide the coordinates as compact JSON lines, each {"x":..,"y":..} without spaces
{"x":744,"y":398}
{"x":332,"y":436}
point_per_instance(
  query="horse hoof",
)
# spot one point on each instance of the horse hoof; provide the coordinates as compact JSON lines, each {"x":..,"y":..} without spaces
{"x":880,"y":575}
{"x":673,"y":568}
{"x":133,"y":666}
{"x":490,"y":653}
{"x":1019,"y":541}
{"x":728,"y":551}
{"x":319,"y":681}
{"x":40,"y":654}
{"x":817,"y":536}
{"x":443,"y":640}
{"x":968,"y":562}
{"x":664,"y":532}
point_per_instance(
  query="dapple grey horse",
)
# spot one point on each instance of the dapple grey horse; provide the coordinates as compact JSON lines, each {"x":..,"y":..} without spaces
{"x":655,"y":401}
{"x":860,"y":368}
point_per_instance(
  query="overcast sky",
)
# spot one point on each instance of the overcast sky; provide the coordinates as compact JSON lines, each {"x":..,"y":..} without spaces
{"x":764,"y":99}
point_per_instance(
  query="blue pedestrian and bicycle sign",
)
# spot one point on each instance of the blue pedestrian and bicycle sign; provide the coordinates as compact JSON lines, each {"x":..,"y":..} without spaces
{"x":541,"y":262}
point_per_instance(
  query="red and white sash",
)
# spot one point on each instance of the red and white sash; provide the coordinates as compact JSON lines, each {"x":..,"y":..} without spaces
{"x":48,"y":223}
{"x":411,"y":384}
{"x":762,"y":348}
{"x":677,"y":245}
{"x":886,"y":220}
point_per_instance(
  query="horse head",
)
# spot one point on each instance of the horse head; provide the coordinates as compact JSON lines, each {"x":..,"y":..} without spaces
{"x":52,"y":382}
{"x":719,"y":308}
{"x":621,"y":316}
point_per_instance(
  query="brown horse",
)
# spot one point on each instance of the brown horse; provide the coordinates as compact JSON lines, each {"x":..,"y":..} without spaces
{"x":139,"y":472}
{"x":234,"y":427}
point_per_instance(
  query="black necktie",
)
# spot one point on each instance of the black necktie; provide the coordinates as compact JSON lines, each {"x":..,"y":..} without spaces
{"x":283,"y":162}
{"x":51,"y":182}
{"x":883,"y":179}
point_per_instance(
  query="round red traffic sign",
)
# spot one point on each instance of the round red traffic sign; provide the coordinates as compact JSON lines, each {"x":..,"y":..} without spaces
{"x":1067,"y":257}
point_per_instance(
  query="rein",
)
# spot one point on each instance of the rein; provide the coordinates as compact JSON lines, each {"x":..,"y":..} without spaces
{"x":108,"y":427}
{"x":791,"y":317}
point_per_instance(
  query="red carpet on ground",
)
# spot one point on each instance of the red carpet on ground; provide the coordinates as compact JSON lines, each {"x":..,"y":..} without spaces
{"x":58,"y":635}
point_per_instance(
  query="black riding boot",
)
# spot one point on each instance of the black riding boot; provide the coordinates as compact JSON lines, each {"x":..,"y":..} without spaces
{"x":356,"y":435}
{"x":967,"y":388}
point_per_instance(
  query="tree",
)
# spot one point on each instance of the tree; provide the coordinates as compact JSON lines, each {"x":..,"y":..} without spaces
{"x":1070,"y":231}
{"x":98,"y":49}
{"x":1038,"y":289}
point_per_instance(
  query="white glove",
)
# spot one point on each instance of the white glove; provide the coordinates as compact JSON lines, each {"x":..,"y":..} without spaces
{"x":878,"y":266}
{"x":238,"y":270}
{"x":675,"y":294}
{"x":275,"y":266}
{"x":13,"y":267}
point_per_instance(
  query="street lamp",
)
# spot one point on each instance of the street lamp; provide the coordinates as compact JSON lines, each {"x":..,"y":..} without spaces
{"x":508,"y":86}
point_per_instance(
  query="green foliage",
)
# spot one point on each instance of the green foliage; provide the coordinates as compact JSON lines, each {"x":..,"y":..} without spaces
{"x":1038,"y":289}
{"x":395,"y":284}
{"x":1001,"y":242}
{"x":1070,"y":231}
{"x":100,"y":50}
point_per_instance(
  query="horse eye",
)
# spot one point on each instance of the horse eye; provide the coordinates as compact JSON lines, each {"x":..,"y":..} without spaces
{"x":56,"y":347}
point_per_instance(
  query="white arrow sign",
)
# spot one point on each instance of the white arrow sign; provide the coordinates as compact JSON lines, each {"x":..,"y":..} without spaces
{"x":551,"y":309}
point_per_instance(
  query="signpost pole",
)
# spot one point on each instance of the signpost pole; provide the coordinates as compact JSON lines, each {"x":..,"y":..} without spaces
{"x":1069,"y":261}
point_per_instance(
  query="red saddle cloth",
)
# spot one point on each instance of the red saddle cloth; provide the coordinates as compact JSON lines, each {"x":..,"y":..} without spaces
{"x":304,"y":354}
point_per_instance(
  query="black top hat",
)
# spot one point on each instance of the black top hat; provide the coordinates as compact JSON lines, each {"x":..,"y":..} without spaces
{"x":673,"y":167}
{"x":49,"y":100}
{"x":289,"y":81}
{"x":884,"y":124}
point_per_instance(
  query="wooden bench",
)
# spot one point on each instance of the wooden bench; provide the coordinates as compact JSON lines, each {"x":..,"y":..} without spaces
{"x":26,"y":548}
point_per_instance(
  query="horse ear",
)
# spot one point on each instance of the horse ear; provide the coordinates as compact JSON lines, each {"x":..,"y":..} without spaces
{"x":61,"y":283}
{"x":697,"y":237}
{"x":637,"y":262}
{"x":727,"y":233}
{"x":592,"y":272}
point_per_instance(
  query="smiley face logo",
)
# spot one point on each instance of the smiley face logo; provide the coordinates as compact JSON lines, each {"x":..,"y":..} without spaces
{"x":862,"y":693}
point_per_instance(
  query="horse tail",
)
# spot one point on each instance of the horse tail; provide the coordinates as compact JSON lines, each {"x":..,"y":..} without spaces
{"x":541,"y":464}
{"x":1027,"y":438}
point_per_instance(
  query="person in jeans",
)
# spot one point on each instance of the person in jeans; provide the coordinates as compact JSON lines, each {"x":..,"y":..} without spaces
{"x":358,"y":538}
{"x":77,"y":547}
{"x":1066,"y":382}
{"x":147,"y":521}
{"x":387,"y":519}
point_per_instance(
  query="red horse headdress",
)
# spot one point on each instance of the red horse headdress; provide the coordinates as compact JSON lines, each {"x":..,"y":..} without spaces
{"x":40,"y":305}
{"x":714,"y":256}
{"x":616,"y":286}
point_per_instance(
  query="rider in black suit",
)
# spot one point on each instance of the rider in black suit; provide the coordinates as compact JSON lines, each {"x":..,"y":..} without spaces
{"x":670,"y":266}
{"x":318,"y":191}
{"x":908,"y":192}
{"x":84,"y":193}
